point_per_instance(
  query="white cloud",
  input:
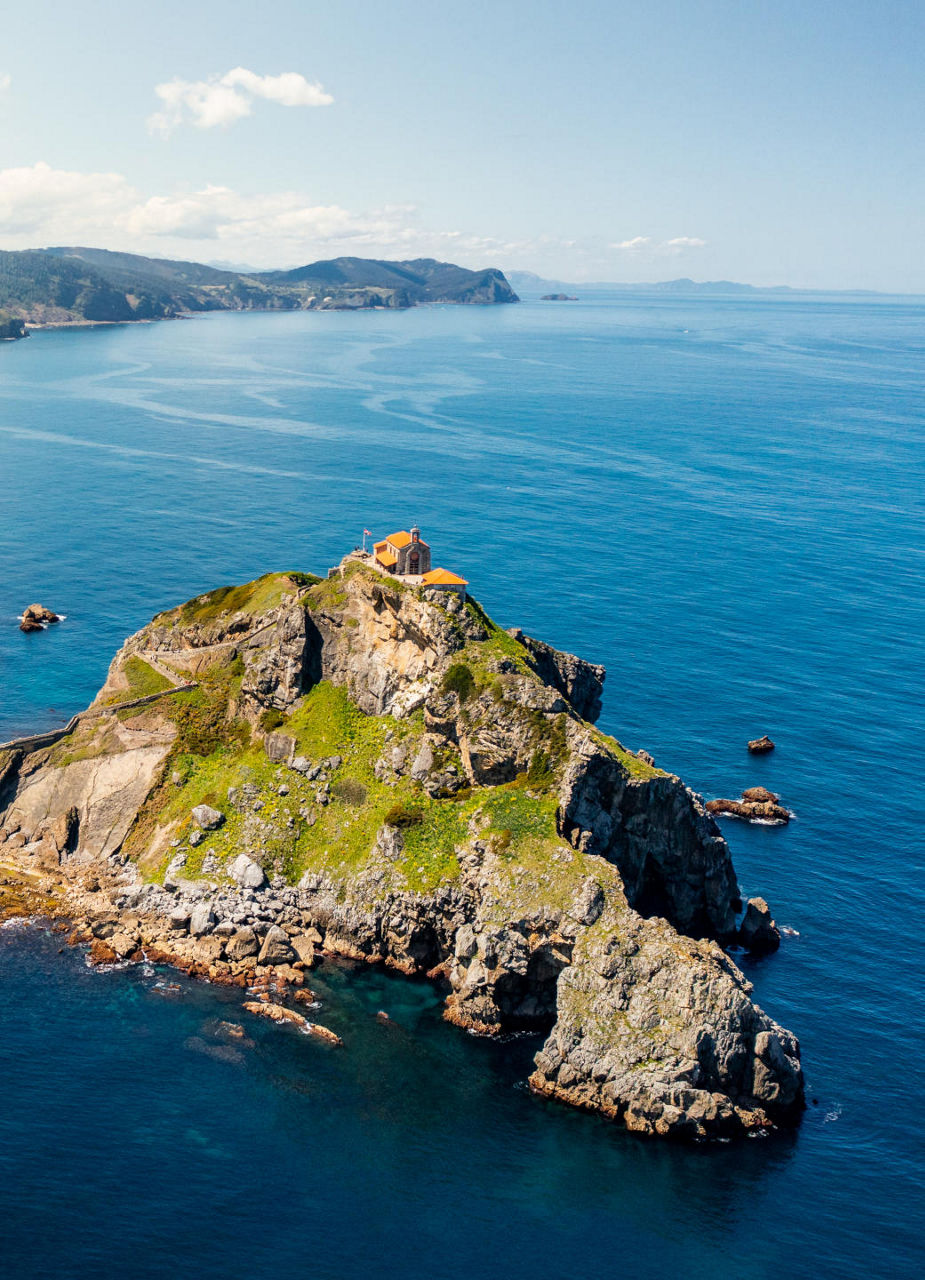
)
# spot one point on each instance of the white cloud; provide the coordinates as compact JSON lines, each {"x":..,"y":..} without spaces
{"x":290,"y":88}
{"x":659,"y":248}
{"x":38,"y":199}
{"x":221,"y":100}
{"x":41,"y":205}
{"x":5,"y":81}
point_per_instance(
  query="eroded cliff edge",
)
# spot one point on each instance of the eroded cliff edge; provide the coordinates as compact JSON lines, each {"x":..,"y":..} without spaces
{"x":389,"y":776}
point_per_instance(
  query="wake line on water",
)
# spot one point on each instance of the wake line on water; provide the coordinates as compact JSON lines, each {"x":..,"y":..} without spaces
{"x":52,"y":437}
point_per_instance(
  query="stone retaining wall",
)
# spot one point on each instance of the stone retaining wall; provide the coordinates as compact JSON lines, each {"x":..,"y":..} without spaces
{"x":34,"y":741}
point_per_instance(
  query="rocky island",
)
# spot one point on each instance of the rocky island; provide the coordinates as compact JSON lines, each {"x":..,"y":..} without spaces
{"x":354,"y":766}
{"x":757,"y":804}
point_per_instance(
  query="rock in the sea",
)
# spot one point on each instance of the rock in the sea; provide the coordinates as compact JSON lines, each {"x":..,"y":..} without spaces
{"x":758,"y":746}
{"x":279,"y":1013}
{"x":34,"y":618}
{"x":246,"y":872}
{"x":229,"y":1031}
{"x":275,"y":1012}
{"x":323,"y":1033}
{"x":758,"y":933}
{"x":123,"y":944}
{"x":757,"y":805}
{"x":276,"y":948}
{"x":207,"y":817}
{"x":760,"y":795}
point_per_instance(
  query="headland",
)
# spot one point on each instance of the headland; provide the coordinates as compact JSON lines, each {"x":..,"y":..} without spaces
{"x":366,"y":766}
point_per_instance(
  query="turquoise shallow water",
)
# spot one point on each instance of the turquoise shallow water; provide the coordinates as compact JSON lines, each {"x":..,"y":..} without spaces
{"x":719,"y":499}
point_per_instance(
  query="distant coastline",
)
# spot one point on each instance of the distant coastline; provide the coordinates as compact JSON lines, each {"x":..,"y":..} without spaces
{"x":83,"y":287}
{"x":527,"y":282}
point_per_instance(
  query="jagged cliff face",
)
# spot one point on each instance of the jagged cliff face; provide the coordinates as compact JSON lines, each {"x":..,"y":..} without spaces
{"x":414,"y":786}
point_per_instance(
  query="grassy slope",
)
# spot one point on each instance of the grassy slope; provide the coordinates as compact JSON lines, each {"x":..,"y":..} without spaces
{"x":255,"y":597}
{"x":143,"y":680}
{"x":342,"y":838}
{"x":214,"y":753}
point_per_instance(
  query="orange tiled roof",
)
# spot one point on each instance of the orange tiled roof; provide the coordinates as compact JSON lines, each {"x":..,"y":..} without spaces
{"x":443,"y":578}
{"x":386,"y":558}
{"x":400,"y":539}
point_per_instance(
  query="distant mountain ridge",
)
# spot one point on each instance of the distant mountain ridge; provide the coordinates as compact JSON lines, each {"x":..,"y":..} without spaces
{"x":529,"y":282}
{"x":67,"y":285}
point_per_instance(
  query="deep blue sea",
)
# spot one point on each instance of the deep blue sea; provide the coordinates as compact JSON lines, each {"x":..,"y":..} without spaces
{"x":719,"y":498}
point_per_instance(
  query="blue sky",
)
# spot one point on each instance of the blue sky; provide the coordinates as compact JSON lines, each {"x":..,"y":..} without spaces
{"x":778,"y":143}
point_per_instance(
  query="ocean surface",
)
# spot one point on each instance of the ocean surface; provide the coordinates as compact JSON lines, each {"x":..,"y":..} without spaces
{"x":719,"y":498}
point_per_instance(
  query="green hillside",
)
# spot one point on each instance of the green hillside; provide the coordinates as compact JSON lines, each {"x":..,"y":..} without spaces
{"x":79,"y":285}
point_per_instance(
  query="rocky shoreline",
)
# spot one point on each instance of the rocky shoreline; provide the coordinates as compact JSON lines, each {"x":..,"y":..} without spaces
{"x":327,"y":783}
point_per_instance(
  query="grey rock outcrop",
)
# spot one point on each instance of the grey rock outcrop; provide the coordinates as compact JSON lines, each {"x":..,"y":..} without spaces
{"x":201,"y":919}
{"x":670,"y":854}
{"x":280,"y":747}
{"x":658,"y":1031}
{"x":207,"y":818}
{"x":579,"y":681}
{"x":247,"y":873}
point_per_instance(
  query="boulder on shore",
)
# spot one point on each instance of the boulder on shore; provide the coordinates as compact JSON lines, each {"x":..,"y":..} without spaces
{"x":247,"y":873}
{"x":759,"y":746}
{"x":276,"y":947}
